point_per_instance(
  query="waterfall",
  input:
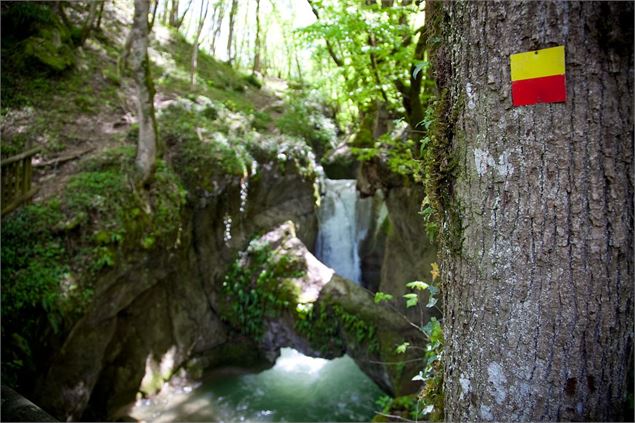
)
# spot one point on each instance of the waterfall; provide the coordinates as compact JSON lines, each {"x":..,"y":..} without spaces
{"x":344,"y":219}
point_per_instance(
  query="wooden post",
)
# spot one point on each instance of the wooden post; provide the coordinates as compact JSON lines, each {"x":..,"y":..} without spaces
{"x":17,"y":172}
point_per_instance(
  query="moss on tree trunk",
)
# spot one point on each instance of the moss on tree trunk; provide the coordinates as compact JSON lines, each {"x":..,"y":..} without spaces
{"x":538,"y":291}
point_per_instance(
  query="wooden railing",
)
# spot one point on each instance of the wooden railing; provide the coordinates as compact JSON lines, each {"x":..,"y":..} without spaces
{"x":16,"y":180}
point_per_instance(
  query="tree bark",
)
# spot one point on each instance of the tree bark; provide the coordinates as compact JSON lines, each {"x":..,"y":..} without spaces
{"x":538,"y":263}
{"x":147,"y":150}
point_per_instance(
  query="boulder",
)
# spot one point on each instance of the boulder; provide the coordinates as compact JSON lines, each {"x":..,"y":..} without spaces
{"x":326,"y":315}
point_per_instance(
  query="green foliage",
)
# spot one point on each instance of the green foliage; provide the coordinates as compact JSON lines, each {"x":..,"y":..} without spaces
{"x":49,"y":104}
{"x":399,"y":154}
{"x":202,"y":148}
{"x":428,"y":214}
{"x":53,"y":252}
{"x":368,"y":68}
{"x":35,"y":43}
{"x":320,"y":327}
{"x":382,"y":296}
{"x":302,"y":118}
{"x":325,"y":328}
{"x":411,"y":300}
{"x":431,"y":398}
{"x":217,"y":80}
{"x":418,"y":285}
{"x":429,"y":404}
{"x":259,"y":286}
{"x":261,"y":121}
{"x":401,"y":348}
{"x":33,"y":261}
{"x":253,"y":80}
{"x":405,"y":406}
{"x":365,"y":332}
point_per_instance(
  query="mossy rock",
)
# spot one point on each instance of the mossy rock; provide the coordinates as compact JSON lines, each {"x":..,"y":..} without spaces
{"x":340,"y":164}
{"x":51,"y":47}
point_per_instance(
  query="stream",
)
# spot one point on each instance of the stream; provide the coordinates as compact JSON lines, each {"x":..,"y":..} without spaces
{"x":297,"y":388}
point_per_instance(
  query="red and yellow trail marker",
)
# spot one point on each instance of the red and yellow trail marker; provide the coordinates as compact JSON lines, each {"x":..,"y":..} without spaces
{"x":538,"y":76}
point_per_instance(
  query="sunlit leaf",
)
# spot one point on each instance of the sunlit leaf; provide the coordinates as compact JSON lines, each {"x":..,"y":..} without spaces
{"x":382,"y":296}
{"x":402,"y":348}
{"x":435,"y":272}
{"x":418,"y":285}
{"x":411,"y":300}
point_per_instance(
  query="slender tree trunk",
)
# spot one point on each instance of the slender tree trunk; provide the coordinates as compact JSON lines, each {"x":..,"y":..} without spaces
{"x":538,"y":251}
{"x":147,"y":150}
{"x":173,"y":17}
{"x":298,"y":68}
{"x":230,"y":38}
{"x":165,"y":16}
{"x":219,"y":14}
{"x":155,"y":5}
{"x":100,"y":14}
{"x":197,"y":36}
{"x":59,"y":6}
{"x":257,"y":46}
{"x":89,"y":22}
{"x":179,"y":20}
{"x":329,"y":47}
{"x":244,"y":42}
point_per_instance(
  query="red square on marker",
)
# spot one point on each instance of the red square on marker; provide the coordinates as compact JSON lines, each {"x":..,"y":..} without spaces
{"x":538,"y":77}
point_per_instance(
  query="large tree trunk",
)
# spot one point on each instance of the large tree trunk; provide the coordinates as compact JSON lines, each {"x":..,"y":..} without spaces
{"x":538,"y":264}
{"x":140,"y":65}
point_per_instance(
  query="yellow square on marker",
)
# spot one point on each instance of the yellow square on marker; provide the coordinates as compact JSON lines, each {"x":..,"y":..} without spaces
{"x":538,"y":76}
{"x":537,"y":63}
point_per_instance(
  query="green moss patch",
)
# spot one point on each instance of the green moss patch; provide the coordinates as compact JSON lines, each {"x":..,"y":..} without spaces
{"x":259,"y":286}
{"x":53,"y":252}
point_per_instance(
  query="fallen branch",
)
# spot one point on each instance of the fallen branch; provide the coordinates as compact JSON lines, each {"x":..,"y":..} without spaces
{"x":63,"y":159}
{"x":392,"y":416}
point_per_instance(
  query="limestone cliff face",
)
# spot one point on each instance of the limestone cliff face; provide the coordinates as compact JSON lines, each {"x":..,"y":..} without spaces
{"x":157,"y":309}
{"x":399,"y":241}
{"x":408,"y":252}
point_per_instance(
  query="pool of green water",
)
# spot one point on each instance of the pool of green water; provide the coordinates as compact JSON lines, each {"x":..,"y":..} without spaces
{"x":297,"y":388}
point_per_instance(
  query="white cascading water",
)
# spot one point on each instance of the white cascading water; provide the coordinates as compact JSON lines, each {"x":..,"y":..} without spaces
{"x":344,"y":220}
